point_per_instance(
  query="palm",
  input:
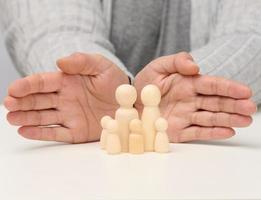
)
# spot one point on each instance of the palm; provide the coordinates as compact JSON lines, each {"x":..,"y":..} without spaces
{"x":77,"y":102}
{"x":178,"y":104}
{"x":197,"y":107}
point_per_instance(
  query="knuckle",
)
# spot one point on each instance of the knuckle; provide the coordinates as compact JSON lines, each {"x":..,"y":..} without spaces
{"x":194,"y":118}
{"x":197,"y":133}
{"x":213,"y":119}
{"x":39,"y":117}
{"x":214,"y":85}
{"x":220,"y":104}
{"x":33,"y":102}
{"x":59,"y":119}
{"x":41,"y":83}
{"x":200,"y":103}
{"x":54,"y":100}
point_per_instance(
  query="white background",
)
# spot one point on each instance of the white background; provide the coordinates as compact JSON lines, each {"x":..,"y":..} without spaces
{"x":7,"y":70}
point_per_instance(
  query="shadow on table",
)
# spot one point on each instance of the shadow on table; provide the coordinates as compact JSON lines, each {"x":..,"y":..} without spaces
{"x":72,"y":147}
{"x":53,"y":147}
{"x":42,"y":147}
{"x":229,"y":144}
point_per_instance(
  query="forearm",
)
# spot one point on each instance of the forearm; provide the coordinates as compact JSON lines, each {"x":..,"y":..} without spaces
{"x":40,"y":32}
{"x":236,"y":57}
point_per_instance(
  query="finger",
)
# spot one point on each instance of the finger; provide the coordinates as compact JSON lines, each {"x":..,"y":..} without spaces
{"x":211,"y":119}
{"x":210,"y":85}
{"x":32,"y":102}
{"x":223,"y":104}
{"x":34,"y":118}
{"x":177,"y":63}
{"x":203,"y":133}
{"x":58,"y":134}
{"x":85,"y":64}
{"x":37,"y":83}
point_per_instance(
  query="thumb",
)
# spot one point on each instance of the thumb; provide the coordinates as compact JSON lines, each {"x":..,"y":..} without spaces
{"x":177,"y":63}
{"x":84,"y":64}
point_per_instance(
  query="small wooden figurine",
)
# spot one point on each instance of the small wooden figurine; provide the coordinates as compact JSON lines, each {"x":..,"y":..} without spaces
{"x":104,"y":133}
{"x":161,"y":140}
{"x":136,"y":145}
{"x":113,"y":144}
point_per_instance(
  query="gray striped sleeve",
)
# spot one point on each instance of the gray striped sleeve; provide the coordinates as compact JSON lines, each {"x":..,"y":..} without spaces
{"x":234,"y":49}
{"x":38,"y":32}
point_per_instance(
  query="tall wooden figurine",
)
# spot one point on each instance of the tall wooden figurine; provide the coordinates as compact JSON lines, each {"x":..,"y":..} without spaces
{"x":150,"y":97}
{"x":126,"y":96}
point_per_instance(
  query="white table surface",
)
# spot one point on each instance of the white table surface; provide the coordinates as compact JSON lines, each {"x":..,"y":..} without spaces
{"x":203,"y":170}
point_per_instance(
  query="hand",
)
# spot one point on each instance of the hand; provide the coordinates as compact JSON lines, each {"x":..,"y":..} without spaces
{"x":74,"y":100}
{"x":197,"y":107}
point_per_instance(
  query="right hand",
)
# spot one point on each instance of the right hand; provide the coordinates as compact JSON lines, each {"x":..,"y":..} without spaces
{"x":75,"y":99}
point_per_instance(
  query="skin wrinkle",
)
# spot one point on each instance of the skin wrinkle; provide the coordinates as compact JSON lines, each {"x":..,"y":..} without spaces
{"x":197,"y":132}
{"x":88,"y":104}
{"x":168,"y":100}
{"x":53,"y":100}
{"x":229,"y":119}
{"x":36,"y":115}
{"x":33,"y":102}
{"x":234,"y":107}
{"x":110,"y":66}
{"x":173,"y":137}
{"x":20,"y":105}
{"x":194,"y":117}
{"x":90,"y":80}
{"x":58,"y":118}
{"x":213,"y":119}
{"x":41,"y":133}
{"x":86,"y":119}
{"x":220,"y":103}
{"x":58,"y":101}
{"x":228,"y":88}
{"x":194,"y":83}
{"x":41,"y":83}
{"x":214,"y":85}
{"x":55,"y":134}
{"x":199,"y":102}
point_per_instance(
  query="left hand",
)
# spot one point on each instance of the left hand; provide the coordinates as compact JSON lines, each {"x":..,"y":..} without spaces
{"x":197,"y":107}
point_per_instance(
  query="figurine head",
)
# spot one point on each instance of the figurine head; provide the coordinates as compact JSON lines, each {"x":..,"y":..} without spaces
{"x":112,"y":126}
{"x":161,"y":124}
{"x":150,"y":95}
{"x":104,"y":121}
{"x":135,"y":126}
{"x":126,"y":95}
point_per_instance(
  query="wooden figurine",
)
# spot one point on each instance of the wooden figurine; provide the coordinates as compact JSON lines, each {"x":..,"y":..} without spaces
{"x":161,"y":140}
{"x":136,"y":145}
{"x":126,"y":96}
{"x":104,"y":133}
{"x":113,"y":144}
{"x":150,"y":97}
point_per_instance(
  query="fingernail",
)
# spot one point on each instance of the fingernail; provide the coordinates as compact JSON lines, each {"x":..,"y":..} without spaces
{"x":190,"y":62}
